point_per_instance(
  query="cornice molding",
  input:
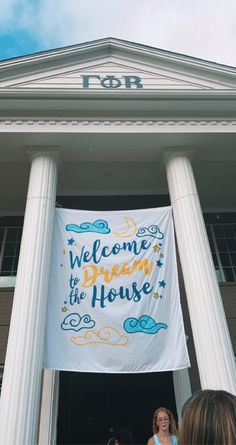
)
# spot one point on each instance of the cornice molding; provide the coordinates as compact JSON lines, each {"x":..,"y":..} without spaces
{"x":111,"y":125}
{"x":16,"y":93}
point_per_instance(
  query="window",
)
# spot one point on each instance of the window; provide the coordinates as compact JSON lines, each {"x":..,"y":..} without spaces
{"x":10,"y":239}
{"x":222,"y":238}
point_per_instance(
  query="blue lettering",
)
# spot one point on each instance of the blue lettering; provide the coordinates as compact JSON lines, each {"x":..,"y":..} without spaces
{"x":101,"y":296}
{"x":75,"y":296}
{"x":133,"y":80}
{"x":111,"y":295}
{"x":96,"y":255}
{"x":110,"y":82}
{"x":86,"y":79}
{"x":77,"y":260}
{"x":73,"y":281}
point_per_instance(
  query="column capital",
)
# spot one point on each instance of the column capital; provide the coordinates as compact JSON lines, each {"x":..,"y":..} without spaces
{"x":51,"y":152}
{"x":174,"y":152}
{"x":180,"y":176}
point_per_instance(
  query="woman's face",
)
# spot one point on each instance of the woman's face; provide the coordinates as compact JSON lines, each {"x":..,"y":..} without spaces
{"x":163,"y":421}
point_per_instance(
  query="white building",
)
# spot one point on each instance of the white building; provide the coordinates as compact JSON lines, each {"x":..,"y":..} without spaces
{"x":114,"y":125}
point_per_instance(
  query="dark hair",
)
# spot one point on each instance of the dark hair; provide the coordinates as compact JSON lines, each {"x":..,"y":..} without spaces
{"x":209,"y":418}
{"x":172,"y":427}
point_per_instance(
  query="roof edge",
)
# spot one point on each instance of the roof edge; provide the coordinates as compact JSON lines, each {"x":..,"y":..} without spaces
{"x":116,"y":44}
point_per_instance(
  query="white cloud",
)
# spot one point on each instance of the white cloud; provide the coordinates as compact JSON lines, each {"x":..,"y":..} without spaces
{"x":16,"y":15}
{"x":200,"y":28}
{"x":205,"y":29}
{"x":7,"y":12}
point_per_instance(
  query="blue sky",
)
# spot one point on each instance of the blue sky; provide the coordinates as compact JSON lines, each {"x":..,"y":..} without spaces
{"x":199,"y":28}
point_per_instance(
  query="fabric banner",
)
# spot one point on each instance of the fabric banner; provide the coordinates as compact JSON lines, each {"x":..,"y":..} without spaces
{"x":113,"y":303}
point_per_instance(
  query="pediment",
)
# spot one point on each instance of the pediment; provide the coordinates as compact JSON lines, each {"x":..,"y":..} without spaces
{"x":111,"y":75}
{"x":114,"y":65}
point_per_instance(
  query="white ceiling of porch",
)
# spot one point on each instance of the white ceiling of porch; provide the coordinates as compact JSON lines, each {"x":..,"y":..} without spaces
{"x":119,"y":164}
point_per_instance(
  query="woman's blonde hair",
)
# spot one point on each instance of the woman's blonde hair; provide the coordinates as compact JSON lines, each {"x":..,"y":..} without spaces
{"x":209,"y":418}
{"x":172,"y":426}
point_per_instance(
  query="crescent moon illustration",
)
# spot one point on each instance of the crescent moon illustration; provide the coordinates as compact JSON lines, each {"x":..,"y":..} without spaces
{"x":130,"y":230}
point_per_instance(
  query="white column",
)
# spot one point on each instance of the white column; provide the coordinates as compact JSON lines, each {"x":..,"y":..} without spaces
{"x":182,"y":389}
{"x":23,"y":367}
{"x":210,"y":331}
{"x":49,"y":408}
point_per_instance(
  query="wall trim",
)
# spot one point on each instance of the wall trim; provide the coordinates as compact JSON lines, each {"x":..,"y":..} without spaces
{"x":112,"y":125}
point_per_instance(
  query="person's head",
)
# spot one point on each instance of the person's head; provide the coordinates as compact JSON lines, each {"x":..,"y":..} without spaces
{"x":163,"y":420}
{"x":209,"y":417}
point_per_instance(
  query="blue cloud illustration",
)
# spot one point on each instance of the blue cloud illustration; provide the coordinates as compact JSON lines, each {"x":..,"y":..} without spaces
{"x":98,"y":226}
{"x":144,"y":324}
{"x":152,"y":230}
{"x":74,"y":322}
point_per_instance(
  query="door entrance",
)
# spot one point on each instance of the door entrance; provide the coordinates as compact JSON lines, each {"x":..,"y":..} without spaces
{"x":92,"y":407}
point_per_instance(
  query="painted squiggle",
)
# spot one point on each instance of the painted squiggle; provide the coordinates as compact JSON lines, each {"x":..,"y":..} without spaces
{"x":145,"y":324}
{"x":75,"y":322}
{"x":152,"y":230}
{"x":106,"y":336}
{"x":98,"y":226}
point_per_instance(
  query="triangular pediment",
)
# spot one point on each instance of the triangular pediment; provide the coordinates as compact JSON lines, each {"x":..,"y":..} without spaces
{"x":110,"y":65}
{"x":111,"y":75}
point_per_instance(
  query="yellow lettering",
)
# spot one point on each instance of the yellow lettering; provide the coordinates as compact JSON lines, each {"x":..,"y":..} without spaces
{"x":143,"y":265}
{"x":89,"y":280}
{"x":91,"y":272}
{"x":125,"y":270}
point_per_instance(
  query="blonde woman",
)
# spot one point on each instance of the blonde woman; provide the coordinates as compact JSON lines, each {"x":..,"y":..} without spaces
{"x":164,"y":428}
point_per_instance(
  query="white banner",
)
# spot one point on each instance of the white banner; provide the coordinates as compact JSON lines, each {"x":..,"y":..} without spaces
{"x":113,"y":301}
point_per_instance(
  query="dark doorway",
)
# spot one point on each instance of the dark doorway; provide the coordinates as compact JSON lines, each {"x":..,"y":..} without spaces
{"x":93,"y":406}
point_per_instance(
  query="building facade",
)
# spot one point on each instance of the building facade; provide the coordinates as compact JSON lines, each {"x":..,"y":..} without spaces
{"x":109,"y":125}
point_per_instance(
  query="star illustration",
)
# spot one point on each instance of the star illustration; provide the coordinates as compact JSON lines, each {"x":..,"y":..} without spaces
{"x":159,"y":263}
{"x":156,"y":295}
{"x":162,"y":283}
{"x":64,"y":309}
{"x":156,"y":249}
{"x":70,"y":242}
